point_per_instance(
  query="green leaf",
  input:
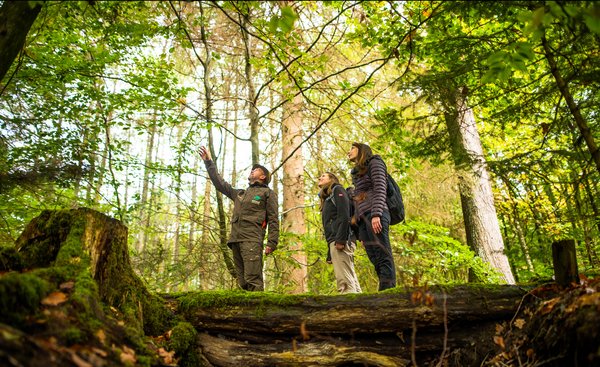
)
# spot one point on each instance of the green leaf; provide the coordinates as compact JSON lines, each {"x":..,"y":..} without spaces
{"x":525,"y":50}
{"x":592,"y":22}
{"x":273,"y":24}
{"x":288,"y":17}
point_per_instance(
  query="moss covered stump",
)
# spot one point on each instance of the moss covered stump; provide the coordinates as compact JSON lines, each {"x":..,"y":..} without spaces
{"x":67,"y":288}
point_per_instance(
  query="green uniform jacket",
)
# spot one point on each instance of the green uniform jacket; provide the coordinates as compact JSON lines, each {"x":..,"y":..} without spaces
{"x":254,"y":209}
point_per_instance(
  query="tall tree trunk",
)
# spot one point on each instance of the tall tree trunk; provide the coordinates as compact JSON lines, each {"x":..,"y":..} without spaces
{"x":207,"y":64}
{"x":234,"y":173}
{"x":563,"y":87}
{"x":252,"y":97}
{"x":204,"y":245}
{"x":16,"y":18}
{"x":479,"y":212}
{"x":293,"y":190}
{"x":517,"y":225}
{"x":144,"y":199}
{"x":522,"y":240}
{"x":102,"y":169}
{"x":178,"y":206}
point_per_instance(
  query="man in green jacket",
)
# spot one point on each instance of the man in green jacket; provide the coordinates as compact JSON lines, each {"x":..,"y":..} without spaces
{"x":254,"y":209}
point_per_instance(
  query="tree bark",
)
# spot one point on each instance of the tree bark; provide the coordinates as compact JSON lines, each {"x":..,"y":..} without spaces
{"x":16,"y":18}
{"x":564,"y":260}
{"x":59,"y":238}
{"x":293,"y":191}
{"x":145,"y":197}
{"x":372,"y":329}
{"x":479,"y":212}
{"x":563,"y":87}
{"x":207,"y":64}
{"x":252,"y":96}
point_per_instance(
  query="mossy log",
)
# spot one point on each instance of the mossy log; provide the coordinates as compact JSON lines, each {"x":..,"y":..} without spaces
{"x":384,"y":329}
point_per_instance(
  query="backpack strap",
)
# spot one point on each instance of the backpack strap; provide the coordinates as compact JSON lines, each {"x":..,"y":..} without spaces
{"x":330,"y":197}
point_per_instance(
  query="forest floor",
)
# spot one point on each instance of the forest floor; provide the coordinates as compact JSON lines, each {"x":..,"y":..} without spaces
{"x":554,"y":326}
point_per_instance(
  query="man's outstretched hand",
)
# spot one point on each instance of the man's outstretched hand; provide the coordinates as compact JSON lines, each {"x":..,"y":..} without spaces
{"x":204,"y":154}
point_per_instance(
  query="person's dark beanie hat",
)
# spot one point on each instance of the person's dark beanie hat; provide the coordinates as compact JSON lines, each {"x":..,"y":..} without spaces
{"x":265,"y":171}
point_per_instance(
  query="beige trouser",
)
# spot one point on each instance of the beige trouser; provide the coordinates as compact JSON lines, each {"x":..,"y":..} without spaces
{"x":343,"y":268}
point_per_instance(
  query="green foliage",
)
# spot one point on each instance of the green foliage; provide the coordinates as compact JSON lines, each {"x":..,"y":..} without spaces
{"x":428,"y":255}
{"x":284,"y":21}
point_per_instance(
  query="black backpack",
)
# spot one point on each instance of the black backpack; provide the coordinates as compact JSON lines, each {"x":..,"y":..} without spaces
{"x":394,"y":200}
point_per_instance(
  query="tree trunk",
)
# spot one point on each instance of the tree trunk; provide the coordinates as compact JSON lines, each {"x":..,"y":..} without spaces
{"x":56,"y":238}
{"x":293,"y":191}
{"x":144,"y":199}
{"x":371,"y":329}
{"x":563,"y":87}
{"x":207,"y":64}
{"x":16,"y":18}
{"x":564,"y":260}
{"x":252,"y":97}
{"x":175,"y":260}
{"x":479,"y":212}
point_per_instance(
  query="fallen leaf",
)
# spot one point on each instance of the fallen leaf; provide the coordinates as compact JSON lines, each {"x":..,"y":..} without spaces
{"x":429,"y":299}
{"x":499,"y":329}
{"x":519,"y":323}
{"x":589,"y":299}
{"x":498,"y":340}
{"x":168,"y":357}
{"x":100,"y":352}
{"x":80,"y":362}
{"x":416,"y":297}
{"x":101,"y":336}
{"x":530,"y":353}
{"x":128,"y":355}
{"x":67,"y":286}
{"x":54,"y":299}
{"x":547,"y":306}
{"x":303,"y":331}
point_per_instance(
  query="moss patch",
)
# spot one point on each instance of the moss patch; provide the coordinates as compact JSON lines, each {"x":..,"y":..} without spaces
{"x":20,"y":295}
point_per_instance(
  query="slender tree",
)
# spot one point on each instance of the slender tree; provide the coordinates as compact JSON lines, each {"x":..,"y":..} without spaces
{"x":293,"y":190}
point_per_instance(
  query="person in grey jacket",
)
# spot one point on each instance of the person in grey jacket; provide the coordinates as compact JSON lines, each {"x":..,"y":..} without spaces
{"x":255,"y":210}
{"x":335,"y":215}
{"x":369,"y":177}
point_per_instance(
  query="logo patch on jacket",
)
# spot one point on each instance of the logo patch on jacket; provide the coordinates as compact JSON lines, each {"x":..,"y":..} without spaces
{"x":256,"y":199}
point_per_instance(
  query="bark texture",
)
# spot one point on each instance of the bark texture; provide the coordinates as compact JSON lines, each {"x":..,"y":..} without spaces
{"x":372,"y":329}
{"x":16,"y":18}
{"x":477,"y":199}
{"x":293,"y":191}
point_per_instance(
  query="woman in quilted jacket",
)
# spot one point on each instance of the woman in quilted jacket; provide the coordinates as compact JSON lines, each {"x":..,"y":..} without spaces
{"x":369,"y":177}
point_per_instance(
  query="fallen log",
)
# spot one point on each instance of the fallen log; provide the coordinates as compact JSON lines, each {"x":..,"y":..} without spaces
{"x":390,"y":328}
